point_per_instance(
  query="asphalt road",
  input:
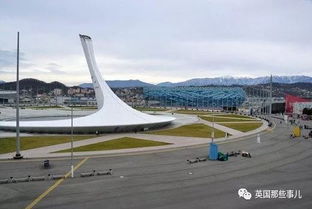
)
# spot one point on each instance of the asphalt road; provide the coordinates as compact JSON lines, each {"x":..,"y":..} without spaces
{"x":165,"y":180}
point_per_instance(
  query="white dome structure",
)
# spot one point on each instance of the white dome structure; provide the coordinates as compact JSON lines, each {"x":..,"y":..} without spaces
{"x":113,"y":114}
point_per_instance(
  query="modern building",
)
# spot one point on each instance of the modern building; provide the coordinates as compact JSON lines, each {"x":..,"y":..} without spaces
{"x":57,"y":92}
{"x":7,"y":97}
{"x":113,"y":114}
{"x":290,"y":100}
{"x":299,"y":106}
{"x":195,"y":97}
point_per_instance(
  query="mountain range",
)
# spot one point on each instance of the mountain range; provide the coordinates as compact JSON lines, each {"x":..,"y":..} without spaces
{"x":35,"y":85}
{"x":228,"y":81}
{"x":223,"y":81}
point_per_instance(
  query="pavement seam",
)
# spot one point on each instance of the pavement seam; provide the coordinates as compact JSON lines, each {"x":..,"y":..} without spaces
{"x":57,"y":183}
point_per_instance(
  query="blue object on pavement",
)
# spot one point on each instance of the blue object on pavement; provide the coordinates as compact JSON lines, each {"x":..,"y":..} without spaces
{"x":213,"y":152}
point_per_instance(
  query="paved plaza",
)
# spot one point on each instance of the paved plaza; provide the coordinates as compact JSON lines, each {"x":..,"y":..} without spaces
{"x":166,"y":180}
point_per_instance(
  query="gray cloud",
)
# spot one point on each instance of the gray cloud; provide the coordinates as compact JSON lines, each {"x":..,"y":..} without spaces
{"x":55,"y":68}
{"x":150,"y":39}
{"x":53,"y":65}
{"x":7,"y":58}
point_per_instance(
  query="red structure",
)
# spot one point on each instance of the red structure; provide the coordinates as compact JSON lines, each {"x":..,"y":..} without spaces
{"x":290,"y":100}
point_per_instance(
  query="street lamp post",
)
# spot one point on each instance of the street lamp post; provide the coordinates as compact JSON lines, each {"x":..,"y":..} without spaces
{"x":213,"y":133}
{"x":271,"y":95}
{"x":18,"y":145}
{"x":72,"y":141}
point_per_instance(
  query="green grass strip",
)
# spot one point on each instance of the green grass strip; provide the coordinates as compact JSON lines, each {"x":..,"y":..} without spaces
{"x":244,"y":127}
{"x":194,"y":130}
{"x":31,"y":142}
{"x":150,"y":109}
{"x":44,"y":107}
{"x":235,"y":116}
{"x":220,"y":119}
{"x":194,"y":112}
{"x":121,"y":143}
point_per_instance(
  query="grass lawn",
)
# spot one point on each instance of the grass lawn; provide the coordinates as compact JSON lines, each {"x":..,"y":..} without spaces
{"x":244,"y":127}
{"x":30,"y":142}
{"x":217,"y":119}
{"x":44,"y":107}
{"x":121,"y":143}
{"x":235,"y":116}
{"x":150,"y":109}
{"x":63,"y":108}
{"x":194,"y":130}
{"x":194,"y":112}
{"x":84,"y":107}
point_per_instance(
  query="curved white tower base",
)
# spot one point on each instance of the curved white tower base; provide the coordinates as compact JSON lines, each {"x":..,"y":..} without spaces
{"x":113,"y":114}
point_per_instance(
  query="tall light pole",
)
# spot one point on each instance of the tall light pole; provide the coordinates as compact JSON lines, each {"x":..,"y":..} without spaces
{"x":72,"y":141}
{"x":18,"y":144}
{"x":268,"y":94}
{"x":213,"y":133}
{"x":262,"y":110}
{"x":271,"y":94}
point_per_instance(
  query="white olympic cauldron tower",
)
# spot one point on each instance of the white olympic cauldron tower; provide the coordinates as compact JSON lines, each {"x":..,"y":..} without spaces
{"x":113,"y":114}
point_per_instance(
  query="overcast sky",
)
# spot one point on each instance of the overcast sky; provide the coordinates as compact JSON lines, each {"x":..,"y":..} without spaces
{"x":156,"y":40}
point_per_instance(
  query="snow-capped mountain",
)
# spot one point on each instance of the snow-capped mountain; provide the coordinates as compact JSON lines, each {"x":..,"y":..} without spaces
{"x":239,"y":81}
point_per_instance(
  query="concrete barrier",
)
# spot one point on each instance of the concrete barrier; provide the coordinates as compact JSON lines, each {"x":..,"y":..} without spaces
{"x":55,"y":177}
{"x":100,"y":173}
{"x":38,"y":178}
{"x":4,"y":181}
{"x":25,"y":179}
{"x":86,"y":174}
{"x":52,"y":177}
{"x":201,"y":159}
{"x":191,"y":161}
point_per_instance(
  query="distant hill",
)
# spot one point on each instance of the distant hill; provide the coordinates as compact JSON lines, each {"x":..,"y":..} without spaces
{"x":2,"y":81}
{"x":228,"y":81}
{"x":120,"y":84}
{"x":86,"y":85}
{"x":298,"y":89}
{"x":282,"y":89}
{"x":34,"y":84}
{"x":304,"y":82}
{"x":166,"y":84}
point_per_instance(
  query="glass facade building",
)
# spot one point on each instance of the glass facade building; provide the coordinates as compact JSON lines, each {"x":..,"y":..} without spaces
{"x":195,"y":97}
